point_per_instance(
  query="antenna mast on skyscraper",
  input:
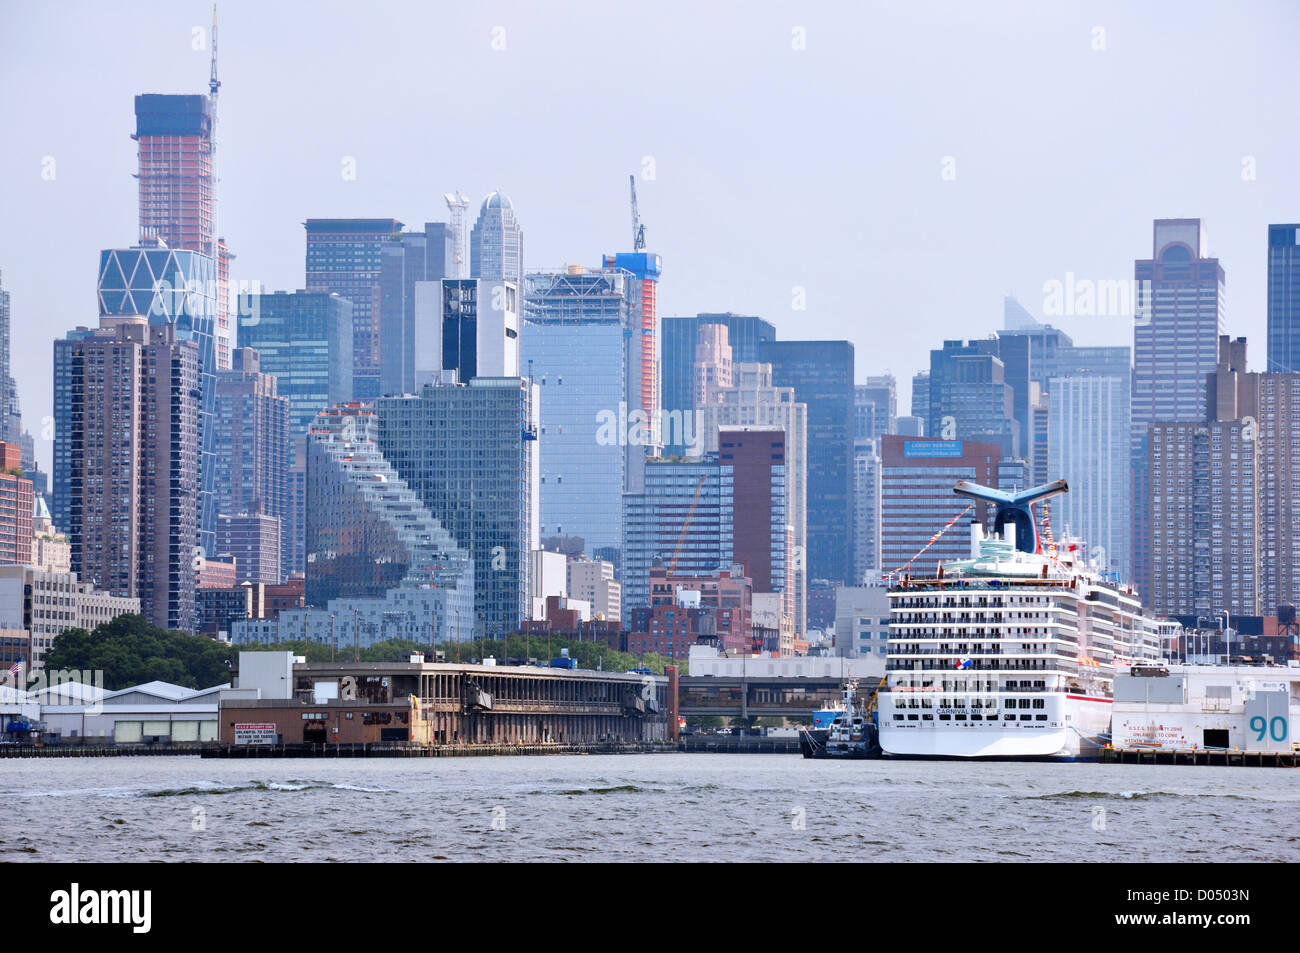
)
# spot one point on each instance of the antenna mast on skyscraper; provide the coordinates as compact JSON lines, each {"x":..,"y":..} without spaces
{"x":214,"y":84}
{"x":457,"y":204}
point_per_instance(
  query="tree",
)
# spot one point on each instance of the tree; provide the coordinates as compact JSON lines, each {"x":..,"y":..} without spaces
{"x":129,"y":650}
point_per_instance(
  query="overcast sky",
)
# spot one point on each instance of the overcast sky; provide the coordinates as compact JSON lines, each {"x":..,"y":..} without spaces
{"x":904,"y":165}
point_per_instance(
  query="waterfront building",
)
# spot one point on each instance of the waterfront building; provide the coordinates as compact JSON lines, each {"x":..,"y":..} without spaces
{"x":345,"y":257}
{"x":862,"y":620}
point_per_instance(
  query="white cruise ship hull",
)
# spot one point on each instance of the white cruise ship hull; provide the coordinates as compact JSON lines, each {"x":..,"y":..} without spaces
{"x":1074,"y":729}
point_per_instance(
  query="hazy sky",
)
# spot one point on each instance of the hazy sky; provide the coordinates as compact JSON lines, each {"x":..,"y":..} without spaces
{"x":829,"y":168}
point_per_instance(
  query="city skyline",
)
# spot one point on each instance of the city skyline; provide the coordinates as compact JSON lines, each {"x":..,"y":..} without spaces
{"x":711,"y":195}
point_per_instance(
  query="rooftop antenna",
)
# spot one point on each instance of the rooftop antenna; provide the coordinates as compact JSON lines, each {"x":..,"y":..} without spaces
{"x":214,"y":84}
{"x":638,"y":230}
{"x":457,"y":203}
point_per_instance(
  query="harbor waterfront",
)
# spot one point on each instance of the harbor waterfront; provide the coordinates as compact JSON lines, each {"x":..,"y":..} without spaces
{"x":639,"y":808}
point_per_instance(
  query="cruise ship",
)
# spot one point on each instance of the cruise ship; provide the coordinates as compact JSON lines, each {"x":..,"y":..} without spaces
{"x":1011,"y":654}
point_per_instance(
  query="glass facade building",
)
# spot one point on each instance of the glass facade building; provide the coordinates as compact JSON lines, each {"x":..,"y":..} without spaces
{"x":345,"y":256}
{"x":406,"y":259}
{"x":496,"y":244}
{"x":679,"y":337}
{"x":821,"y":373}
{"x":179,"y":288}
{"x":584,"y":402}
{"x":1284,"y":299}
{"x":469,"y":453}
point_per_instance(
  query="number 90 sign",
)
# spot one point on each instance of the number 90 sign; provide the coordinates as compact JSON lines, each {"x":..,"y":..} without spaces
{"x":1275,"y":728}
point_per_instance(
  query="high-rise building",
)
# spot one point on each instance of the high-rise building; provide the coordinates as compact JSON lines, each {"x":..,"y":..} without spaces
{"x":866,"y":508}
{"x":469,"y":451}
{"x":1284,"y":299}
{"x":875,"y":407}
{"x":921,"y":397}
{"x":1179,"y":316}
{"x":345,"y":256}
{"x":973,"y":395}
{"x":44,"y":603}
{"x":303,"y":340}
{"x":17,"y":504}
{"x":254,"y":446}
{"x":371,"y":540}
{"x":917,"y":499}
{"x":713,"y":363}
{"x":821,"y":373}
{"x":7,"y":384}
{"x":754,"y":401}
{"x":645,"y":269}
{"x":465,"y":326}
{"x":682,"y":520}
{"x":574,"y":348}
{"x":127,"y":450}
{"x":680,"y":337}
{"x":496,"y":243}
{"x":252,"y":541}
{"x":163,"y":286}
{"x":409,"y":257}
{"x":592,"y":581}
{"x":176,"y":139}
{"x":763,"y":541}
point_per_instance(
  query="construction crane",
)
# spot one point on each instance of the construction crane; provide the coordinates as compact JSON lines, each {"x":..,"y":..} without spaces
{"x":638,"y":230}
{"x":457,"y":203}
{"x":686,"y":525}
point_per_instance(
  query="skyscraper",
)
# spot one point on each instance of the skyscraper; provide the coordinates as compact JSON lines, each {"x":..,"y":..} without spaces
{"x":821,"y":373}
{"x":681,"y":520}
{"x":177,"y":175}
{"x":973,"y":393}
{"x":763,"y":540}
{"x":875,"y":407}
{"x":1179,"y":316}
{"x":345,"y":257}
{"x":468,"y":326}
{"x":866,"y":508}
{"x":754,"y":401}
{"x":377,"y":556}
{"x":469,"y":451}
{"x":1284,"y":299}
{"x":252,"y":541}
{"x":303,"y":340}
{"x":917,"y":501}
{"x":680,"y":337}
{"x":574,"y":350}
{"x":176,"y":287}
{"x":496,"y":244}
{"x":406,"y":259}
{"x":642,"y":343}
{"x":921,"y":397}
{"x":254,"y":449}
{"x":17,"y":507}
{"x":127,"y":450}
{"x":6,"y":380}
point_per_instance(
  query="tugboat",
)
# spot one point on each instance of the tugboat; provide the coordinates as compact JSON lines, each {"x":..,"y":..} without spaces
{"x":852,"y":734}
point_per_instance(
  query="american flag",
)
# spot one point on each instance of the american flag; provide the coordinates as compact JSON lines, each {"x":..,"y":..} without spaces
{"x":15,"y":669}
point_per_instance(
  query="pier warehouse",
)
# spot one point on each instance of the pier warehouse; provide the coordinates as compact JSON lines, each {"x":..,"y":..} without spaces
{"x":417,"y":702}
